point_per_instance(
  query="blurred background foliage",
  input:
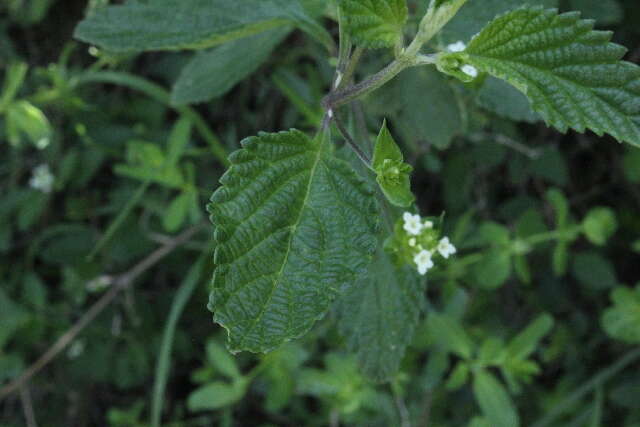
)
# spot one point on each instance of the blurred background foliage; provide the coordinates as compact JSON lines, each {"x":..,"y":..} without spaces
{"x":105,"y":158}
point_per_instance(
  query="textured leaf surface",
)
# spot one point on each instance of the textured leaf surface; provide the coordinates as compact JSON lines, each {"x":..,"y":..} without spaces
{"x":476,"y":14}
{"x":294,"y":227}
{"x":572,"y":74}
{"x":379,"y":314}
{"x":186,"y":24}
{"x":375,"y":23}
{"x":212,"y":73}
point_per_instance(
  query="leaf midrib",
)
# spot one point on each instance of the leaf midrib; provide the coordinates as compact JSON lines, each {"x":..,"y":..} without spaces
{"x":294,"y":226}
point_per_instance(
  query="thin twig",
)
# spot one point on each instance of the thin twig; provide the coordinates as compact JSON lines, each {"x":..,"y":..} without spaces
{"x":27,"y":406}
{"x":118,"y":284}
{"x":343,"y":130}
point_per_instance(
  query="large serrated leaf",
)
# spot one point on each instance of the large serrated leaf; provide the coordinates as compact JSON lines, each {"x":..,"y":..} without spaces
{"x":379,"y":315}
{"x":572,"y":74}
{"x":294,"y":227}
{"x":188,"y":24}
{"x":375,"y":23}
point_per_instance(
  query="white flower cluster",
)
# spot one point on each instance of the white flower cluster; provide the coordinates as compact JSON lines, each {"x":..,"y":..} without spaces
{"x":421,"y":232}
{"x":460,"y":46}
{"x":42,"y":179}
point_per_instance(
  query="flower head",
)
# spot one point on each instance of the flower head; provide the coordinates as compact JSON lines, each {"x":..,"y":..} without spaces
{"x":446,"y":248}
{"x":423,"y":261}
{"x":412,"y":224}
{"x":42,"y":179}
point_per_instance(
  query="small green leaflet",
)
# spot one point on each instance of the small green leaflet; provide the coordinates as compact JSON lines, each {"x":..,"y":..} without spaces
{"x":189,"y":24}
{"x":571,"y":73}
{"x":494,"y":400}
{"x":294,"y":227}
{"x":375,"y":23}
{"x":622,"y":320}
{"x":379,"y":315}
{"x":392,"y":173}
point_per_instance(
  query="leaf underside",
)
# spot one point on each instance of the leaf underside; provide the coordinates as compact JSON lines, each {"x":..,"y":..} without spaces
{"x":294,"y":227}
{"x":379,"y":314}
{"x":571,"y":73}
{"x":375,"y":23}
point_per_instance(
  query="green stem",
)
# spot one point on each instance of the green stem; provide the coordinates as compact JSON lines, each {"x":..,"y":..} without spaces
{"x":552,"y":235}
{"x":352,"y":92}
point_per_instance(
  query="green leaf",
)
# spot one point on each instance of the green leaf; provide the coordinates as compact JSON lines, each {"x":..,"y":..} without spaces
{"x":392,"y":174}
{"x":572,"y":74}
{"x":458,"y":377}
{"x":294,"y":227}
{"x":494,"y":401}
{"x":599,"y":225}
{"x":12,"y":318}
{"x":375,"y":23}
{"x":476,"y":14}
{"x":187,"y":24}
{"x":211,"y":74}
{"x":217,"y":395}
{"x":379,"y":314}
{"x":622,"y":320}
{"x":493,"y":270}
{"x":178,"y":141}
{"x":177,"y":212}
{"x":450,"y":335}
{"x":24,"y":119}
{"x":525,"y":343}
{"x":594,"y":271}
{"x":220,"y":358}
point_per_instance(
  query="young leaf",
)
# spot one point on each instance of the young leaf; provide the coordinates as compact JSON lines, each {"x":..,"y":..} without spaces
{"x":392,"y":173}
{"x":600,"y":224}
{"x":187,"y":24}
{"x":525,"y":343}
{"x":213,"y":73}
{"x":622,"y":320}
{"x":450,"y":335}
{"x":294,"y":226}
{"x":378,"y":316}
{"x":494,"y":400}
{"x":375,"y":23}
{"x":440,"y":12}
{"x":572,"y":74}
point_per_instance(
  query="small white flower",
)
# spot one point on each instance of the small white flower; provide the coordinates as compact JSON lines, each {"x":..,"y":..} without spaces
{"x":330,"y":113}
{"x":446,"y":248}
{"x":470,"y":70}
{"x":428,"y":225}
{"x":42,"y":179}
{"x":412,"y":242}
{"x":412,"y":223}
{"x":423,"y":261}
{"x":75,"y":349}
{"x":458,"y":46}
